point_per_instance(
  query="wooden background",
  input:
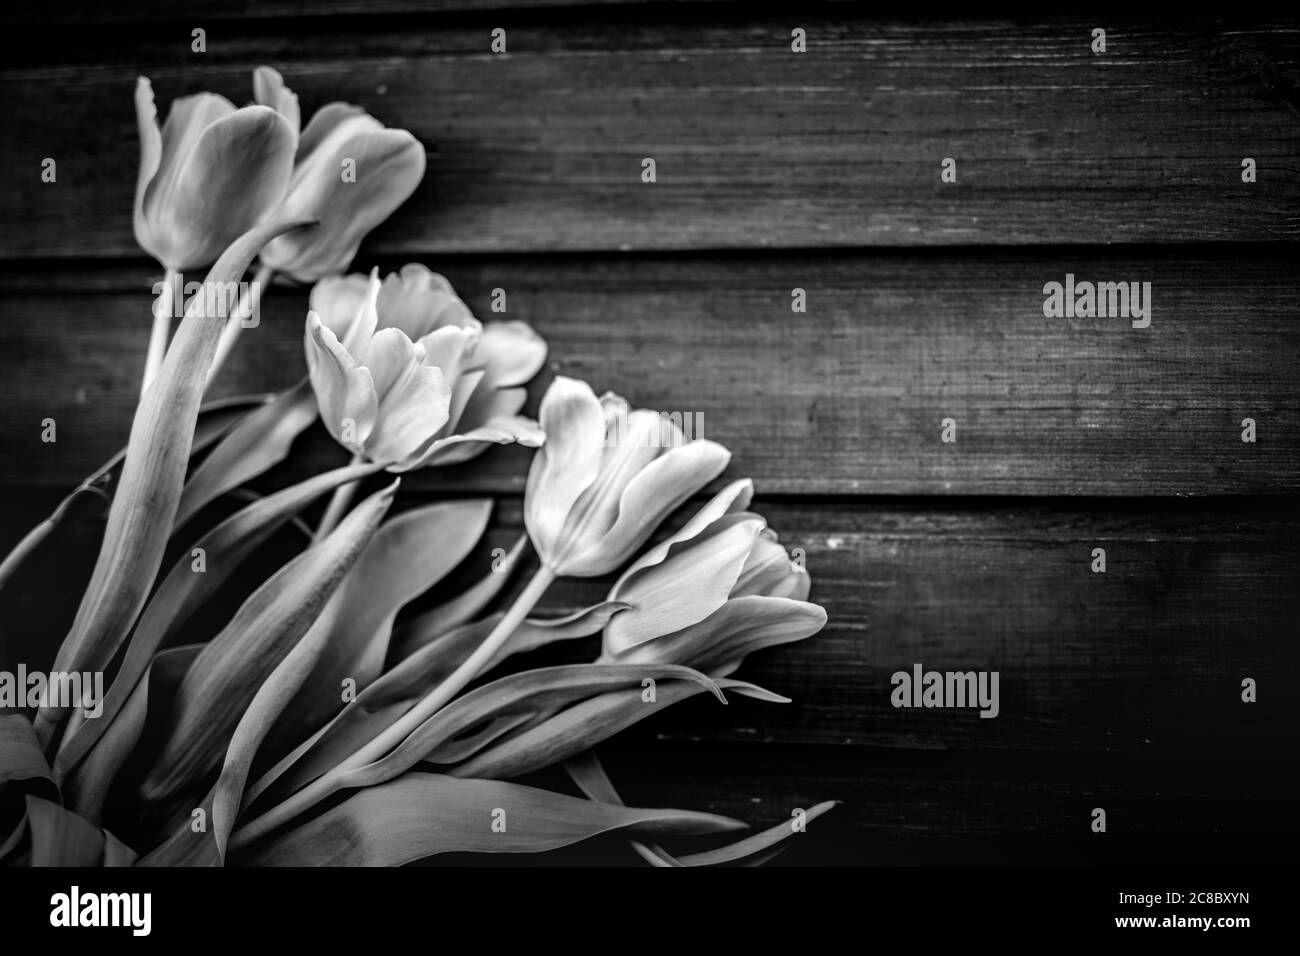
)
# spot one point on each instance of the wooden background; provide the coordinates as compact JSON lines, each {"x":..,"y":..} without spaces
{"x":819,"y":171}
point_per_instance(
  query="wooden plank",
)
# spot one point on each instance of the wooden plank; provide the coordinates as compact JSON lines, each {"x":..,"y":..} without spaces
{"x":756,"y":146}
{"x":1146,"y":658}
{"x":913,"y":809}
{"x":847,"y":398}
{"x":81,"y":12}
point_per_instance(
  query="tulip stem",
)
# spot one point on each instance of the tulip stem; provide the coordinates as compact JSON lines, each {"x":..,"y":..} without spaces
{"x":162,"y":328}
{"x":337,"y":507}
{"x":336,"y":778}
{"x":235,"y":324}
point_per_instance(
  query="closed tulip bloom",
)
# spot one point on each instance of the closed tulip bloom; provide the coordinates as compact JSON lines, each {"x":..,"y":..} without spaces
{"x":349,"y":175}
{"x":208,"y":176}
{"x":482,"y":368}
{"x":719,"y":589}
{"x":596,"y":490}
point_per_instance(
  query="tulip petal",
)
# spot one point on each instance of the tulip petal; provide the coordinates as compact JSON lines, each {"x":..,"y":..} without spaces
{"x":574,"y":424}
{"x":146,"y":115}
{"x":631,"y":444}
{"x":344,"y":392}
{"x":718,"y":644}
{"x":506,"y":430}
{"x":735,"y":497}
{"x":269,"y":90}
{"x":338,"y":300}
{"x":770,"y":572}
{"x":188,"y":117}
{"x":233,"y":175}
{"x":511,"y":352}
{"x":678,"y":593}
{"x":451,"y":349}
{"x":419,"y":301}
{"x":413,"y":397}
{"x":659,"y":489}
{"x":389,"y":165}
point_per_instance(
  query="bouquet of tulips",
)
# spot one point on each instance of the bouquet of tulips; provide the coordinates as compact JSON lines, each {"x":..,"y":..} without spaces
{"x":339,"y":716}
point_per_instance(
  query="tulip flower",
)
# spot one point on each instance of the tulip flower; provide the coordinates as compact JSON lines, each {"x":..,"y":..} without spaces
{"x":377,"y":395}
{"x":481,"y":370}
{"x":717,"y":590}
{"x":350,"y":173}
{"x":208,"y":176}
{"x":594,"y":496}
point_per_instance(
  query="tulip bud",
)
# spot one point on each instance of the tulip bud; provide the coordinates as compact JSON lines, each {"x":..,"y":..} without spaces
{"x":211,"y":174}
{"x":483,"y":367}
{"x":596,"y":490}
{"x":350,"y":173}
{"x":717,"y":590}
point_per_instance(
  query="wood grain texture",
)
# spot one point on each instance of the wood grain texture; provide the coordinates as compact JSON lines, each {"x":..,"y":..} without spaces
{"x":902,"y":808}
{"x":1147,"y":657}
{"x":847,"y":398}
{"x":756,"y":147}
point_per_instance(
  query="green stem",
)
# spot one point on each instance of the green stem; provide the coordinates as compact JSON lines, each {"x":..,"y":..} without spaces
{"x":161,"y":331}
{"x":337,"y":507}
{"x":398,"y":731}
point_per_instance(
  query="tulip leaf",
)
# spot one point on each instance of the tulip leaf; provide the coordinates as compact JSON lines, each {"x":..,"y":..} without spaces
{"x":535,"y":695}
{"x":183,"y":592}
{"x":62,"y":838}
{"x":229,"y":669}
{"x":88,"y":785}
{"x":419,"y":815}
{"x":144,"y":507}
{"x":21,"y":759}
{"x":397,"y":690}
{"x":266,"y":706}
{"x":93,"y":495}
{"x":588,"y":773}
{"x":23,"y":769}
{"x":407,"y":555}
{"x":576,"y":729}
{"x":424,"y":628}
{"x":259,"y":441}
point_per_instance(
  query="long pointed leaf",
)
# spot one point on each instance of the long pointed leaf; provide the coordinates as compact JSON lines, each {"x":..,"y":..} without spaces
{"x":260,"y":441}
{"x":576,"y":729}
{"x":419,"y":815}
{"x":144,"y":508}
{"x":394,"y":693}
{"x":407,"y":555}
{"x":183,"y":592}
{"x":425,"y":628}
{"x":230,"y":668}
{"x":87,"y":787}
